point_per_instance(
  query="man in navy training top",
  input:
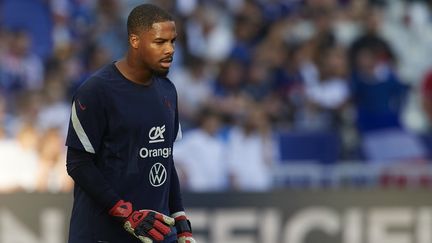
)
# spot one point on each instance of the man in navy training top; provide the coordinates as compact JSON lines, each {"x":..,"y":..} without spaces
{"x":123,"y":124}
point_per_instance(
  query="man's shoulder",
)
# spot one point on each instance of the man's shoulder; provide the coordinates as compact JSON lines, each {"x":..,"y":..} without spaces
{"x":98,"y":79}
{"x":167,"y":86}
{"x":166,"y":82}
{"x":103,"y":74}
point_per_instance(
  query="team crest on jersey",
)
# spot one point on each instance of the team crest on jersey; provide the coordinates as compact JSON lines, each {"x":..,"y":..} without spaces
{"x":156,"y":134}
{"x":167,"y":103}
{"x":158,"y":175}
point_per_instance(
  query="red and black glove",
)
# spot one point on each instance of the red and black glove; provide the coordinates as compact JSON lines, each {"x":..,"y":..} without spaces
{"x":146,"y":225}
{"x":184,"y":229}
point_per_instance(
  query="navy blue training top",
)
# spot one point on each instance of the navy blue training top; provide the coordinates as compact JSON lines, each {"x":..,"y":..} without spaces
{"x":130,"y":129}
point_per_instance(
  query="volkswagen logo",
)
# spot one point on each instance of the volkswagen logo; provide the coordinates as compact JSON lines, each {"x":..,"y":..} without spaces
{"x":158,"y":175}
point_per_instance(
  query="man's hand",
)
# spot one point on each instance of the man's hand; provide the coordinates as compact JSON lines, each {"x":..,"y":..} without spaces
{"x":146,"y":225}
{"x":184,"y":229}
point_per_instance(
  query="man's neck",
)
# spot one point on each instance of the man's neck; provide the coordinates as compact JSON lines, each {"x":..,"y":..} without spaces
{"x":133,"y":72}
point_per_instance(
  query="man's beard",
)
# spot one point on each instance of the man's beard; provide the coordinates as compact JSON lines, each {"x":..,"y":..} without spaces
{"x":161,"y":73}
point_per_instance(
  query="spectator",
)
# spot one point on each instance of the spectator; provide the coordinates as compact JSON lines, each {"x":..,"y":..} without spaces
{"x":19,"y":160}
{"x":377,"y":92}
{"x":326,"y":98}
{"x":193,"y":83}
{"x":22,"y":69}
{"x":378,"y":96}
{"x":289,"y":85}
{"x":228,"y":94}
{"x":55,"y":110}
{"x":61,"y":32}
{"x":250,"y":151}
{"x":248,"y":30}
{"x":108,"y":29}
{"x":200,"y":155}
{"x":51,"y":175}
{"x":209,"y":34}
{"x":26,"y":110}
{"x":406,"y":28}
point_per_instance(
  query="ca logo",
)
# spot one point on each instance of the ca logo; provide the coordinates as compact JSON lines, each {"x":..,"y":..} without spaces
{"x":156,"y":134}
{"x":158,"y":175}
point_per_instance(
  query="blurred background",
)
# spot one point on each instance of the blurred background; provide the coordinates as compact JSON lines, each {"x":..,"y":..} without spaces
{"x":298,"y":107}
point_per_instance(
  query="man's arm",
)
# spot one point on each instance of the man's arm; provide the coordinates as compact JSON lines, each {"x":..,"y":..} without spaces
{"x":81,"y":167}
{"x":183,"y":226}
{"x":175,"y":201}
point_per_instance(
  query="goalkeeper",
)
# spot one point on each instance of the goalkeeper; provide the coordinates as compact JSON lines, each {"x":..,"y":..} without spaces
{"x":123,"y":124}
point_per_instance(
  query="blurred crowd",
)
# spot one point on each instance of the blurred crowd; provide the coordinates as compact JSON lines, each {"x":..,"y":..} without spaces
{"x":248,"y":72}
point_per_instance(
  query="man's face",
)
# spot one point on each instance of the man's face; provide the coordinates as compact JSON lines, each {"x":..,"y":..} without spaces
{"x":156,"y":47}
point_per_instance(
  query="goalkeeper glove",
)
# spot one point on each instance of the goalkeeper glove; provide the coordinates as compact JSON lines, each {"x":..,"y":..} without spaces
{"x":184,"y":229}
{"x":146,"y":225}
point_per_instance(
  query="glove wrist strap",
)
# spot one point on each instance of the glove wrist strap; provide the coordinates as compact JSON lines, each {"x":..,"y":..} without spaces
{"x":183,"y":226}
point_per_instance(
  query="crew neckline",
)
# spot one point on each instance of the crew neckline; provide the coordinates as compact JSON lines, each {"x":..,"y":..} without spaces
{"x":130,"y":81}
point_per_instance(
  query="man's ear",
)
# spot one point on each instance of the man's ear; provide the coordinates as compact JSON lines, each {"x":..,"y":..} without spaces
{"x":134,"y":40}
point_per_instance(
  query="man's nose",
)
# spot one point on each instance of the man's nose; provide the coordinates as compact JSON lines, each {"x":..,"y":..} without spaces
{"x":170,"y":49}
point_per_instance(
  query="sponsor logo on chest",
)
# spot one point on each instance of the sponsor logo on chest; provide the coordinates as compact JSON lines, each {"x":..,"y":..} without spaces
{"x":158,"y":175}
{"x":156,"y":135}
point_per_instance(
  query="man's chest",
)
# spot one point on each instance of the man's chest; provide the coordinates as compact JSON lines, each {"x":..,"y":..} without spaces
{"x":142,"y":115}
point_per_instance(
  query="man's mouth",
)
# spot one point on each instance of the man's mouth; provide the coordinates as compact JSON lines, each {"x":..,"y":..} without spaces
{"x":166,"y":62}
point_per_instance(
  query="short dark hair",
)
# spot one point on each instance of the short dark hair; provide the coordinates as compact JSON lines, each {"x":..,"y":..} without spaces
{"x":143,"y":16}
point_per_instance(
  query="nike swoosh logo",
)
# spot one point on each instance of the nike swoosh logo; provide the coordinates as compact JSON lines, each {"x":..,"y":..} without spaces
{"x":81,"y":106}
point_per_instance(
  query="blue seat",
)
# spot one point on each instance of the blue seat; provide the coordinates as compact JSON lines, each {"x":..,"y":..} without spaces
{"x":321,"y":147}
